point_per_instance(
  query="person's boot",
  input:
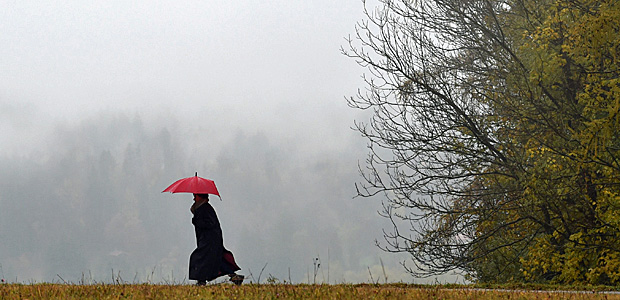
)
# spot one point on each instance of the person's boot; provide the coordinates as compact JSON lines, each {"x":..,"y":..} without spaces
{"x":236,"y":279}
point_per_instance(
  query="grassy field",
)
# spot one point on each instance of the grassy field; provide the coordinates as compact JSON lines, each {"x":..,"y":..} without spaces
{"x":276,"y":291}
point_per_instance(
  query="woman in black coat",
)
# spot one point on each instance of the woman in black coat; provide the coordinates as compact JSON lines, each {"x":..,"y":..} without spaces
{"x":210,"y":259}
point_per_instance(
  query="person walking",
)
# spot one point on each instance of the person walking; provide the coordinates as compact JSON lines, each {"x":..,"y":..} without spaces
{"x":210,"y":260}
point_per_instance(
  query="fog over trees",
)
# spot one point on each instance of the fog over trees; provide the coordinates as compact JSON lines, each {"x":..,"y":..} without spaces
{"x":103,"y":105}
{"x":87,"y":202}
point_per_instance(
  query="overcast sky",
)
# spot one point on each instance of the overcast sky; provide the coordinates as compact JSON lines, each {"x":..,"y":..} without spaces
{"x":102,"y":105}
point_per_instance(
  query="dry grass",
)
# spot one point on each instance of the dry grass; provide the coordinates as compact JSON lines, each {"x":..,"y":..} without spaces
{"x":276,"y":291}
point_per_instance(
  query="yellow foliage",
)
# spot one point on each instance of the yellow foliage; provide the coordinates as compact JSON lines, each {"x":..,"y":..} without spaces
{"x":568,"y":123}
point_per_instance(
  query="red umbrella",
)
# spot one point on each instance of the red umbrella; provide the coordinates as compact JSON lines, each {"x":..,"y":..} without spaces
{"x":195,"y":185}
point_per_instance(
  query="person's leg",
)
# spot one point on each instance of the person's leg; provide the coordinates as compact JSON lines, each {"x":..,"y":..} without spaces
{"x":226,"y":268}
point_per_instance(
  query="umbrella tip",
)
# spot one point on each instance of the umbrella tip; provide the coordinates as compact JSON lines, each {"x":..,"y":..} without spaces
{"x":196,"y":174}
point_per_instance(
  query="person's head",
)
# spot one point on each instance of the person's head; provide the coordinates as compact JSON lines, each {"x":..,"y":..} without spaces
{"x":201,"y":197}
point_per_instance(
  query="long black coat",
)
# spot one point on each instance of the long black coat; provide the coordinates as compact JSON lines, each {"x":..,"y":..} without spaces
{"x":206,"y":262}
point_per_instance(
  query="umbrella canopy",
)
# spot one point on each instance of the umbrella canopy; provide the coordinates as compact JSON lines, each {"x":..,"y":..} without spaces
{"x":195,"y":185}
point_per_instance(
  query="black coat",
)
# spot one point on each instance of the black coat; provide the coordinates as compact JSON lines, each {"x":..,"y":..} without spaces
{"x":206,"y":262}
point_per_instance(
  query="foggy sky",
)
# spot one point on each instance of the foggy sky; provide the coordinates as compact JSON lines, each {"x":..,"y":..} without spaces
{"x":104,"y":105}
